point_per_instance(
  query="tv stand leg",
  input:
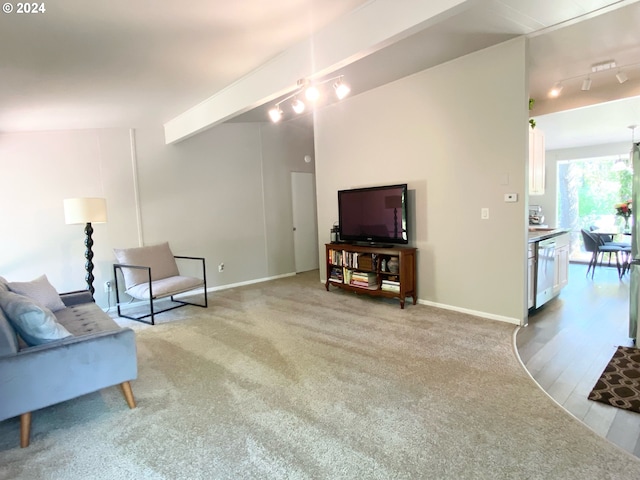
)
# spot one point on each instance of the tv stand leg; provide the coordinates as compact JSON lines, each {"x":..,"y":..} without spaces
{"x":402,"y":303}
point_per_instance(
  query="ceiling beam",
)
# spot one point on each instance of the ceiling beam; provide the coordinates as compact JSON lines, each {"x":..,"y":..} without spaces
{"x":366,"y":30}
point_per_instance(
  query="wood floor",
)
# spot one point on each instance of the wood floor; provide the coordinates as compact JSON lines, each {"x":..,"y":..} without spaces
{"x":570,"y":340}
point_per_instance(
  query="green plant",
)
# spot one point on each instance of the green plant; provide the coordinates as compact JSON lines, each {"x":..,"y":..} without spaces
{"x":532,"y":121}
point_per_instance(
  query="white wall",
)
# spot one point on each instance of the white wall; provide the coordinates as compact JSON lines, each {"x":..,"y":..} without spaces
{"x":39,"y":171}
{"x":284,"y":147}
{"x":207,"y":196}
{"x":457,"y":134}
{"x":223,"y":194}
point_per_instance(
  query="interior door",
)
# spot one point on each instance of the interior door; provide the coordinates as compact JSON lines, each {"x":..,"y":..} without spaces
{"x":305,"y":225}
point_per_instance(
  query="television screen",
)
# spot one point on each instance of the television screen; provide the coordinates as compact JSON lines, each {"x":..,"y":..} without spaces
{"x":373,"y":214}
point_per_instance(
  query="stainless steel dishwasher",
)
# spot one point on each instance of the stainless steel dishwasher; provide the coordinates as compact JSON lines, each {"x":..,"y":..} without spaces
{"x":545,"y":273}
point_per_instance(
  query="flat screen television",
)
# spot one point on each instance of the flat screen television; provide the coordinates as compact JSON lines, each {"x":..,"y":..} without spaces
{"x":373,"y":215}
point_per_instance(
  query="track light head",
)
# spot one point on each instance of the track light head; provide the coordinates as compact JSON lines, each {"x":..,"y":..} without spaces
{"x":297,"y":105}
{"x":622,"y":77}
{"x":555,"y":91}
{"x":312,"y":93}
{"x":586,"y":84}
{"x":341,"y":88}
{"x":275,"y":114}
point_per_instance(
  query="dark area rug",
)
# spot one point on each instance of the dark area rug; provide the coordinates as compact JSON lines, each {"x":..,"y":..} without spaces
{"x":619,"y":384}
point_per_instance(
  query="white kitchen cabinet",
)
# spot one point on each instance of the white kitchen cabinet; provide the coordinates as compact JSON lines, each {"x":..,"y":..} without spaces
{"x":531,"y":268}
{"x":536,"y":161}
{"x":561,"y":273}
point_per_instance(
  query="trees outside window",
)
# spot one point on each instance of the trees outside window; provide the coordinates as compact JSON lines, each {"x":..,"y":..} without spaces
{"x":587,"y":192}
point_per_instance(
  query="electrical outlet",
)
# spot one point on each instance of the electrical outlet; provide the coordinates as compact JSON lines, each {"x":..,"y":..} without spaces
{"x":107,"y":286}
{"x":221,"y":267}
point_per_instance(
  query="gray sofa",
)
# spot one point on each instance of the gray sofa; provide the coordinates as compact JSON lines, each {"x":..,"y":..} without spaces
{"x":93,"y":353}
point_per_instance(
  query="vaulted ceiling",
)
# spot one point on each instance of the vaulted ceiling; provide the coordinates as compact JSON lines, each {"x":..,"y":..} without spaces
{"x":86,"y":64}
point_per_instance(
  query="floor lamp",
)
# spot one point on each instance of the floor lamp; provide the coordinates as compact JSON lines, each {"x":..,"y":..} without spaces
{"x":395,"y":202}
{"x":87,"y":211}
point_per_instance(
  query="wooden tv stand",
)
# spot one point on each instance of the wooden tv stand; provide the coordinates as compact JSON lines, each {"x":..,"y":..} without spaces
{"x":378,"y":271}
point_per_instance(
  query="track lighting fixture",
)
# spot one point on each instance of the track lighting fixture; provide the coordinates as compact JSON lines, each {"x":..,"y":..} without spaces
{"x":596,"y":69}
{"x":312,"y":93}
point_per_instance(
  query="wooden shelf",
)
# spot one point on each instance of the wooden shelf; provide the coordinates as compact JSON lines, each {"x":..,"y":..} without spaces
{"x":345,"y":260}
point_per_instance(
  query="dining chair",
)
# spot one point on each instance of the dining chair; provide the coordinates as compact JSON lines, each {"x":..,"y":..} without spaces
{"x":607,"y":238}
{"x":594,"y":244}
{"x":626,"y":260}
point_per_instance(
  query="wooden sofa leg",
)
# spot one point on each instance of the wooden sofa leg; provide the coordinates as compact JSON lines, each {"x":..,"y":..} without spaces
{"x":128,"y":394}
{"x":25,"y":429}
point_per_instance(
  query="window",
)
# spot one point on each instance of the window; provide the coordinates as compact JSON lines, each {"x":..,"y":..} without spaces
{"x":587,"y":192}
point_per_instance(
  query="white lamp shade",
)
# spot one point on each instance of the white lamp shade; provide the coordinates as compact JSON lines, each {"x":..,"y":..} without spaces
{"x":85,"y":210}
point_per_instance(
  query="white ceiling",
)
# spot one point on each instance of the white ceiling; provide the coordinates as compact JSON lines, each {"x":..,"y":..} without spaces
{"x":85,"y":64}
{"x":128,"y":64}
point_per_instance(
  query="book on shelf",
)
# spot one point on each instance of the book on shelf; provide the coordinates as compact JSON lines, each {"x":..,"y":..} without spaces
{"x":364,"y":279}
{"x":390,"y":285}
{"x":364,"y":286}
{"x":347,"y":275}
{"x":363,"y":261}
{"x":336,"y":275}
{"x":390,"y":288}
{"x":335,"y":257}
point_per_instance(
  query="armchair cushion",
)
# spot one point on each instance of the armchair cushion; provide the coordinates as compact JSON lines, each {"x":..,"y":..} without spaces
{"x":35,"y":324}
{"x":165,"y":287}
{"x":158,"y":257}
{"x":39,"y":290}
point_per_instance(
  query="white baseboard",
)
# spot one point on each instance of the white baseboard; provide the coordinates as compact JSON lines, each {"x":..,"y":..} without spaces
{"x":249,"y":282}
{"x":209,"y":290}
{"x":475,"y":313}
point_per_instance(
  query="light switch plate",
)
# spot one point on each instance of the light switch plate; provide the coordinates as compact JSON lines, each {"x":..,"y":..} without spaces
{"x":484,"y":213}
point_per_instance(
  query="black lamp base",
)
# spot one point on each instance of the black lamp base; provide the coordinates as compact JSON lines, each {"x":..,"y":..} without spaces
{"x":88,"y":254}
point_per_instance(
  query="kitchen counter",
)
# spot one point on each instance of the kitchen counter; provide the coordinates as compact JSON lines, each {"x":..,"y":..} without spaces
{"x":538,"y":234}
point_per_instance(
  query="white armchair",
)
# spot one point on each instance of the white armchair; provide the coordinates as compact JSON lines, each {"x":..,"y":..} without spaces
{"x":151,"y":273}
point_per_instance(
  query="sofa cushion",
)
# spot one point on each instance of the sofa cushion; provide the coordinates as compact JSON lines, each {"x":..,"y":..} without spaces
{"x":158,"y":257}
{"x":3,"y":285}
{"x":86,"y":319}
{"x":39,"y":290}
{"x":35,"y":324}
